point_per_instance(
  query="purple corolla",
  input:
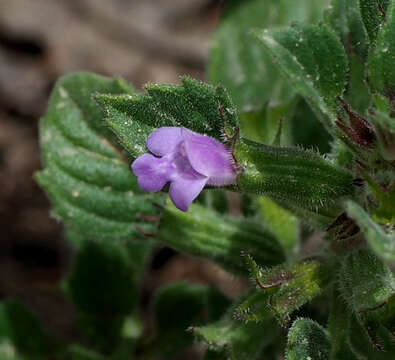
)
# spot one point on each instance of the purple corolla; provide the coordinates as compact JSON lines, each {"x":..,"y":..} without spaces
{"x":187,"y":160}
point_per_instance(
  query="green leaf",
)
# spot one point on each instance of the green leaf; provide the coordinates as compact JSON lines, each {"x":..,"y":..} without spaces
{"x":358,"y":94}
{"x":262,"y":124}
{"x":307,"y":130}
{"x":341,"y":154}
{"x":307,"y":340}
{"x":385,"y":211}
{"x":178,"y":306}
{"x":281,"y":223}
{"x":283,"y":289}
{"x":372,"y":12}
{"x":222,"y":240}
{"x":345,"y":18}
{"x":339,"y":327}
{"x":237,"y":62}
{"x":382,"y":103}
{"x":383,"y":207}
{"x":85,"y":175}
{"x":237,"y":340}
{"x":298,"y":125}
{"x":319,"y":218}
{"x":366,"y":348}
{"x":292,"y":176}
{"x":255,"y":307}
{"x":103,"y":288}
{"x":381,"y":242}
{"x":104,"y":333}
{"x":383,"y":316}
{"x":314,"y":61}
{"x":382,"y":56}
{"x":102,"y":281}
{"x":25,"y":332}
{"x":366,"y":282}
{"x":194,"y":105}
{"x":368,"y":287}
{"x":385,"y":130}
{"x":139,"y":253}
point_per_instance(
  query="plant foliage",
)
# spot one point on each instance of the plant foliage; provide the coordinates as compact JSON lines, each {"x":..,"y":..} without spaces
{"x":313,"y":230}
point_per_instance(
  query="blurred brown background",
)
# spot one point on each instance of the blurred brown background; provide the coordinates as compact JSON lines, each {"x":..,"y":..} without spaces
{"x":40,"y":40}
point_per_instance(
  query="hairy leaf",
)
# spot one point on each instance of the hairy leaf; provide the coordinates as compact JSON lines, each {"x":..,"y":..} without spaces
{"x":237,"y":61}
{"x":339,"y":327}
{"x":382,"y":56}
{"x":237,"y":340}
{"x":345,"y":18}
{"x":373,"y":15}
{"x":85,"y":175}
{"x":222,"y":240}
{"x":382,"y":347}
{"x":283,"y":289}
{"x":195,"y":105}
{"x":366,"y":282}
{"x":307,"y":340}
{"x":314,"y":61}
{"x":384,"y":212}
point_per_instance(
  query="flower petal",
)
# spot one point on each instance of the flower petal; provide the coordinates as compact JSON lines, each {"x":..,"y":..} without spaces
{"x":152,"y":173}
{"x":210,"y":158}
{"x":185,"y":189}
{"x":164,"y":140}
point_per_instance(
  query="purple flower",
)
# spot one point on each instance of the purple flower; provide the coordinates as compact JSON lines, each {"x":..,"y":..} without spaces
{"x":187,"y":160}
